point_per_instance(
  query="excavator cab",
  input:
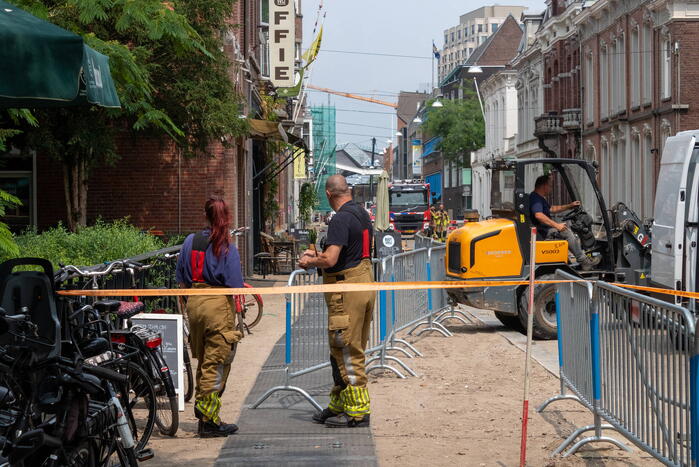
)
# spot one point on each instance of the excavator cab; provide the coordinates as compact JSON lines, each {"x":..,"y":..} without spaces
{"x":499,"y":247}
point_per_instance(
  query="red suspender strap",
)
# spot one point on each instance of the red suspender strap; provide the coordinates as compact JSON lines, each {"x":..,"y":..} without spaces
{"x":199,"y":245}
{"x":366,"y":250}
{"x":197,"y":262}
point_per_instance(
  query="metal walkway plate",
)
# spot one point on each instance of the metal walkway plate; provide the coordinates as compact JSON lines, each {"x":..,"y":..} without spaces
{"x":281,"y":432}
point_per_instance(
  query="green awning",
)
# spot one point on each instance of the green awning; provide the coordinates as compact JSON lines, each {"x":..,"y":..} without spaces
{"x":43,"y":65}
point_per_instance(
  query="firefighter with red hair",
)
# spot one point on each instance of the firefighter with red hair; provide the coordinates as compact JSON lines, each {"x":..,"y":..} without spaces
{"x":210,"y":259}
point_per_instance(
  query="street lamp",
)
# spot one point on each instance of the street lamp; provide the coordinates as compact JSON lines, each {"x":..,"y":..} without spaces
{"x":436,"y":104}
{"x":476,"y":70}
{"x":417,"y":119}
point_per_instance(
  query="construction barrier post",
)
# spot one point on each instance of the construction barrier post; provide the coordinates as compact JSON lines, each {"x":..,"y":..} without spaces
{"x":527,"y":362}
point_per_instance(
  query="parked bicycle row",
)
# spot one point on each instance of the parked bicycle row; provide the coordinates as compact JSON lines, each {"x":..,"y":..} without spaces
{"x":67,"y":395}
{"x":54,"y":353}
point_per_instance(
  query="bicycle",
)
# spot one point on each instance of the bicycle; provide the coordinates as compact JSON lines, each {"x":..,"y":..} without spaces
{"x":61,"y":411}
{"x":83,"y":328}
{"x":149,"y":357}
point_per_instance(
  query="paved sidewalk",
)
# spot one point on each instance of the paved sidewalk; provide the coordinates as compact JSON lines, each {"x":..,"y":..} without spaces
{"x":281,"y":432}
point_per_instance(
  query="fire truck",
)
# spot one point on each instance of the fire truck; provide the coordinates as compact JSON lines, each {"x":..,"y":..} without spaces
{"x":409,"y":206}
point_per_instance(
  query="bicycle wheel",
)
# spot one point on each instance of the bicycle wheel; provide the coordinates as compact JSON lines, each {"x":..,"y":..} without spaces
{"x":252,"y":309}
{"x":188,"y":375}
{"x":120,"y":456}
{"x":138,"y":399}
{"x":167,"y":415}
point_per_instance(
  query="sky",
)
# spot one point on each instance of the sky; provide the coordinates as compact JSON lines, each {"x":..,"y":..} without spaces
{"x":397,"y":27}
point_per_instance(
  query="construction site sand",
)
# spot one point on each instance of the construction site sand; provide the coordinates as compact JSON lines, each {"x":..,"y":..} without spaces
{"x":464,"y":407}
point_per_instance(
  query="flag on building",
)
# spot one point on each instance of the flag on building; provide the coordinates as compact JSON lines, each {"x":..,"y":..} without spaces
{"x":435,"y":51}
{"x":312,"y":52}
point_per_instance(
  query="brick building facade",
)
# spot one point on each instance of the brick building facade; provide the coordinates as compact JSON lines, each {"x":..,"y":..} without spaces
{"x":640,"y":78}
{"x":558,"y":129}
{"x":156,"y":187}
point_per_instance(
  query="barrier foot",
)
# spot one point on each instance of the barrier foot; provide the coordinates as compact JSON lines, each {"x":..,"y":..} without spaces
{"x":405,"y":352}
{"x":453,"y":313}
{"x":560,"y":397}
{"x":286,"y":387}
{"x":604,"y":439}
{"x":458,"y":318}
{"x":590,"y":439}
{"x":386,"y":367}
{"x":410,"y":346}
{"x":436,"y":327}
{"x":405,"y":367}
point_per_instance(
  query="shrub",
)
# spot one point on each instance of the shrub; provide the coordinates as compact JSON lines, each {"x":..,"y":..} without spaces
{"x":102,"y":242}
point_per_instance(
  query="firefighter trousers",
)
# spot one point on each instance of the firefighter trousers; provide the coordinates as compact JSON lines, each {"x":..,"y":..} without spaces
{"x":349,"y":321}
{"x":212,"y":338}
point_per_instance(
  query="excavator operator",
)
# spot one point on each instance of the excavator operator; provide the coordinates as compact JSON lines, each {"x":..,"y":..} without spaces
{"x":548,"y":229}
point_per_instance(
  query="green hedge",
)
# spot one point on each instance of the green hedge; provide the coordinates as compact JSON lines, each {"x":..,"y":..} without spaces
{"x":102,"y":242}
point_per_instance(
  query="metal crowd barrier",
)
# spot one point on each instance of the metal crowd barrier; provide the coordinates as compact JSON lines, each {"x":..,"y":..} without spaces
{"x":647,"y":350}
{"x":306,"y":341}
{"x":633,"y":361}
{"x":421,"y":241}
{"x":306,"y":338}
{"x":578,"y":357}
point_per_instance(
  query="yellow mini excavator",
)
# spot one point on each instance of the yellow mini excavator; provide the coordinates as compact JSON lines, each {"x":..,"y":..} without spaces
{"x":498,"y":248}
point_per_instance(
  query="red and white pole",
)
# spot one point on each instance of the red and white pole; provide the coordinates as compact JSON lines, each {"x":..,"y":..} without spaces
{"x":528,"y":360}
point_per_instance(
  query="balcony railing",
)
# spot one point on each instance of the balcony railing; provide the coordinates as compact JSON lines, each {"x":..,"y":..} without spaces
{"x":548,"y":125}
{"x":572,"y":118}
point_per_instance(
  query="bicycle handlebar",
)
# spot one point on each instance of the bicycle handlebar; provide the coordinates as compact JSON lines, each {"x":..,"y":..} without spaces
{"x":105,"y":373}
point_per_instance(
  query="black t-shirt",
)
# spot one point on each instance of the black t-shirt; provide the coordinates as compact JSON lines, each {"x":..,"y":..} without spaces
{"x":538,"y":203}
{"x":346,"y":230}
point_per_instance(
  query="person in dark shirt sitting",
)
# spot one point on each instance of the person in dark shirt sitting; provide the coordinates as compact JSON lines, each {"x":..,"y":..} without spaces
{"x":548,"y":228}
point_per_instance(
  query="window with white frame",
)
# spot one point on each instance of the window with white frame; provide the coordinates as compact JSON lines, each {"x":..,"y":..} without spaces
{"x":665,"y":69}
{"x":589,"y":88}
{"x":605,"y":170}
{"x":624,"y":172}
{"x":447,"y":174}
{"x":621,"y":77}
{"x":647,"y":63}
{"x":636,"y":58}
{"x":604,"y":81}
{"x":616,"y":188}
{"x":648,"y":164}
{"x":521,"y":116}
{"x":263,"y":58}
{"x":636,"y":173}
{"x":614,"y":78}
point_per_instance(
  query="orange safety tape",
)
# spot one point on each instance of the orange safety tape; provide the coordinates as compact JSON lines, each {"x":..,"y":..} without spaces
{"x":345,"y":287}
{"x":676,"y":293}
{"x":319,"y":288}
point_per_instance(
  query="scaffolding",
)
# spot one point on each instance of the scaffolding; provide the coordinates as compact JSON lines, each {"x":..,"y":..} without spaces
{"x":324,"y":142}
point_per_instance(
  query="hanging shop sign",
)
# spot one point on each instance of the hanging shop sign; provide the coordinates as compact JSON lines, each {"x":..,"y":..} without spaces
{"x":282,"y":36}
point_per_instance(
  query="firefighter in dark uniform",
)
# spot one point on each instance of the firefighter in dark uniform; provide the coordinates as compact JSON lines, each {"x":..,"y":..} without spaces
{"x":346,"y":259}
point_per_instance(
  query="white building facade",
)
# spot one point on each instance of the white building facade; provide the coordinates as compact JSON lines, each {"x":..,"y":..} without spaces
{"x":499,"y":97}
{"x":530,"y":88}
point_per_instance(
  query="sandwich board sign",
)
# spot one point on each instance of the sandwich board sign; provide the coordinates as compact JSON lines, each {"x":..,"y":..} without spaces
{"x":169,"y":326}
